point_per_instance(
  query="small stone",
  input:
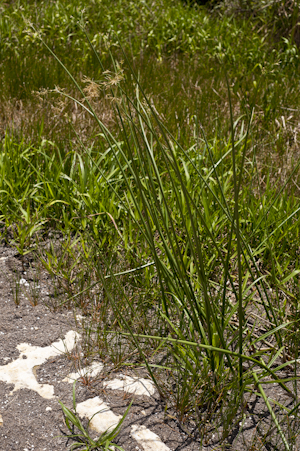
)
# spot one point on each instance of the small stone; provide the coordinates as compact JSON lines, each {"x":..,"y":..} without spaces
{"x":48,"y":409}
{"x":24,"y":282}
{"x":1,"y":420}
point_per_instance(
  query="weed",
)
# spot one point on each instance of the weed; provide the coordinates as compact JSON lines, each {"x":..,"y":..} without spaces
{"x":16,"y":291}
{"x":81,"y":435}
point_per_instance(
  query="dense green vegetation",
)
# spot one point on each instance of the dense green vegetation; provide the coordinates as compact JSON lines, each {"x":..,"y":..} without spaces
{"x":160,"y":140}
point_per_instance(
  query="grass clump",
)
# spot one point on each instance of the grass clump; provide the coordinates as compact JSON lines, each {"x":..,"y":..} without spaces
{"x":179,"y":202}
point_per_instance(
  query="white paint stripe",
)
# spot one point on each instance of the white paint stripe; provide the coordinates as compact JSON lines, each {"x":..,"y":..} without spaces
{"x":138,"y":386}
{"x":103,"y":419}
{"x":89,"y":371}
{"x":20,"y":372}
{"x":147,"y":439}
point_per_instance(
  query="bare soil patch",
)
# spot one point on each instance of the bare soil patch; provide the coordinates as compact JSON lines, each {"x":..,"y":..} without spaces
{"x":31,"y":422}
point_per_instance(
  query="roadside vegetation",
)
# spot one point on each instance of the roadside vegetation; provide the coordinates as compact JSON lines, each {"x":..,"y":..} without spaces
{"x":149,"y":162}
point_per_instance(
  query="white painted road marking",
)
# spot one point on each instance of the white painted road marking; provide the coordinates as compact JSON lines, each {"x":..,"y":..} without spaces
{"x":20,"y":372}
{"x":89,"y":371}
{"x":147,"y":439}
{"x":103,"y":420}
{"x":138,"y":386}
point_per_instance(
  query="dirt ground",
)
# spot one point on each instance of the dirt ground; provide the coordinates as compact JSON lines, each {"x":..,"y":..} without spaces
{"x":31,"y":422}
